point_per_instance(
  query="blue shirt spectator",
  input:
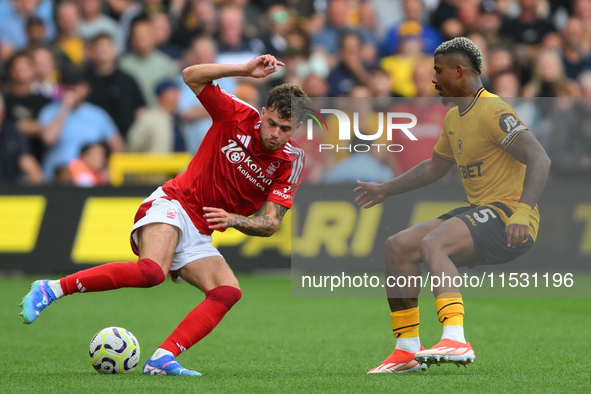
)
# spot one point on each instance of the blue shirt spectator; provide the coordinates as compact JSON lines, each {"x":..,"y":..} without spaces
{"x":13,"y":24}
{"x":84,"y":125}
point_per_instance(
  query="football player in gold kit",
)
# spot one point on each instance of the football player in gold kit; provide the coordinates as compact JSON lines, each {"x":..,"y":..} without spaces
{"x":503,"y":169}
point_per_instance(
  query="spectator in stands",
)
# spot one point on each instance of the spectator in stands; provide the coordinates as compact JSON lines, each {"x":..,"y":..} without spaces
{"x":327,"y":41}
{"x":46,"y":74}
{"x":548,"y":72}
{"x":253,"y":15}
{"x":112,"y":89}
{"x":145,"y":63}
{"x":95,"y":22}
{"x":350,"y":71}
{"x":400,"y":66}
{"x":199,"y":17}
{"x":499,"y":60}
{"x":279,"y":23}
{"x":469,"y":15}
{"x":36,"y":34}
{"x":315,"y":86}
{"x":570,"y":140}
{"x":445,"y":19}
{"x":138,"y":10}
{"x":295,"y":69}
{"x":234,"y":47}
{"x":13,"y":36}
{"x":71,"y":123}
{"x":17,"y":164}
{"x":22,"y":106}
{"x":575,"y":57}
{"x":413,"y":11}
{"x":380,"y":87}
{"x":528,"y":28}
{"x":158,"y":130}
{"x":68,"y":47}
{"x":582,"y":10}
{"x":196,"y":120}
{"x":90,"y":169}
{"x":490,"y":21}
{"x":162,"y":34}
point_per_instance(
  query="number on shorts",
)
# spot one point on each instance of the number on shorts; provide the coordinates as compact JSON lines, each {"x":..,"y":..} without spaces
{"x":485,"y":212}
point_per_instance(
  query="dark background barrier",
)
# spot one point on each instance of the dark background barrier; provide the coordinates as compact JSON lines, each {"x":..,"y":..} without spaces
{"x":326,"y":224}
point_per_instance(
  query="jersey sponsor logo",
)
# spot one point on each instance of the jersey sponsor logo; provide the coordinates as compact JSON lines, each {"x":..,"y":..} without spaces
{"x":460,"y":147}
{"x":245,"y":139}
{"x":247,"y":167}
{"x":282,"y":195}
{"x":471,"y":170}
{"x":508,"y":123}
{"x":233,"y":152}
{"x":450,"y":132}
{"x":471,"y":220}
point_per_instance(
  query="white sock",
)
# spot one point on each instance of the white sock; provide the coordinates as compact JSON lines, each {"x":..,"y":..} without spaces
{"x":455,"y":333}
{"x":411,"y":345}
{"x":56,"y":287}
{"x":161,"y":352}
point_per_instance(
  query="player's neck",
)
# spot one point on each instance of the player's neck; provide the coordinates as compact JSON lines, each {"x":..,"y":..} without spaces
{"x":465,"y":99}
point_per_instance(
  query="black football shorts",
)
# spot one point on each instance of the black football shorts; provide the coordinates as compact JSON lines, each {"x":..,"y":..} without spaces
{"x":488,"y":233}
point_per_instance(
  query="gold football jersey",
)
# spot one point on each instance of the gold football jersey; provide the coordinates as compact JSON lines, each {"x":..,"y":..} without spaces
{"x":477,"y":140}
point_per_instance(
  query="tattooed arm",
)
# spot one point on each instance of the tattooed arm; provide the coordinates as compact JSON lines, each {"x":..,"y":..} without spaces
{"x":262,"y":226}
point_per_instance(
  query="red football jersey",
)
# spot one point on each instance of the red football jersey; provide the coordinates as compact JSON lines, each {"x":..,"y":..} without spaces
{"x":232,"y":170}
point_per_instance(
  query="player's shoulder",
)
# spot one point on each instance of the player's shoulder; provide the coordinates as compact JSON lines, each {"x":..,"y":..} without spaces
{"x":453,"y":112}
{"x":291,"y":151}
{"x":493,"y":105}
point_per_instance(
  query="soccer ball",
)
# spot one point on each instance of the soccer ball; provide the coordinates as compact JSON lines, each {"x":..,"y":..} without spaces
{"x":114,"y":350}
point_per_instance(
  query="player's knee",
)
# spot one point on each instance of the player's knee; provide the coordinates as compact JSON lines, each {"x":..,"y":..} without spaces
{"x":427,"y":247}
{"x":152,"y":272}
{"x":225,"y":295}
{"x":396,"y":248}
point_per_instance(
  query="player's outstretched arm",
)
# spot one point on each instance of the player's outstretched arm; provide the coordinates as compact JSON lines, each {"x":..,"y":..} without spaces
{"x":420,"y":175}
{"x":261,"y":226}
{"x":528,"y":151}
{"x":196,"y":77}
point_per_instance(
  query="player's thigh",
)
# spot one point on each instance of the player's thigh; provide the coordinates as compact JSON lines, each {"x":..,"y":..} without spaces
{"x":208,"y":273}
{"x":453,"y":238}
{"x":157,"y":242}
{"x":405,"y":244}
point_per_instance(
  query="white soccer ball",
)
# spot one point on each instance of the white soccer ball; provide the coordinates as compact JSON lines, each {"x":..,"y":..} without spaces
{"x":114,"y":350}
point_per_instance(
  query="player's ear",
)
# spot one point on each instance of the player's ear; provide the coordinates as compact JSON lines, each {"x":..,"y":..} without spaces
{"x":263,"y":111}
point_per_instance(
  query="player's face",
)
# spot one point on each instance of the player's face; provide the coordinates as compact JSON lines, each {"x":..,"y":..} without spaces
{"x":274,"y":131}
{"x":445,"y":78}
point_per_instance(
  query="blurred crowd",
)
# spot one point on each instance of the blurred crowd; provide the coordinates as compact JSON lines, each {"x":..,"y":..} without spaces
{"x":81,"y":79}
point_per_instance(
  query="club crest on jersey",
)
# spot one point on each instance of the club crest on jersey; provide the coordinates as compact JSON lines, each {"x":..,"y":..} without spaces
{"x":273,"y":167}
{"x":233,"y":152}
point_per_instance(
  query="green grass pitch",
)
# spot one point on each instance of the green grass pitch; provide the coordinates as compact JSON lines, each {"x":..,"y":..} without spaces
{"x":272,"y":343}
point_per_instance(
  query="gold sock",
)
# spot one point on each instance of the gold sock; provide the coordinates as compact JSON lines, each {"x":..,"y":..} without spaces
{"x":405,"y":323}
{"x":450,"y":309}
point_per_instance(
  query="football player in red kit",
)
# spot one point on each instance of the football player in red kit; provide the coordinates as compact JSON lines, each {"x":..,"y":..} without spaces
{"x":246,"y":161}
